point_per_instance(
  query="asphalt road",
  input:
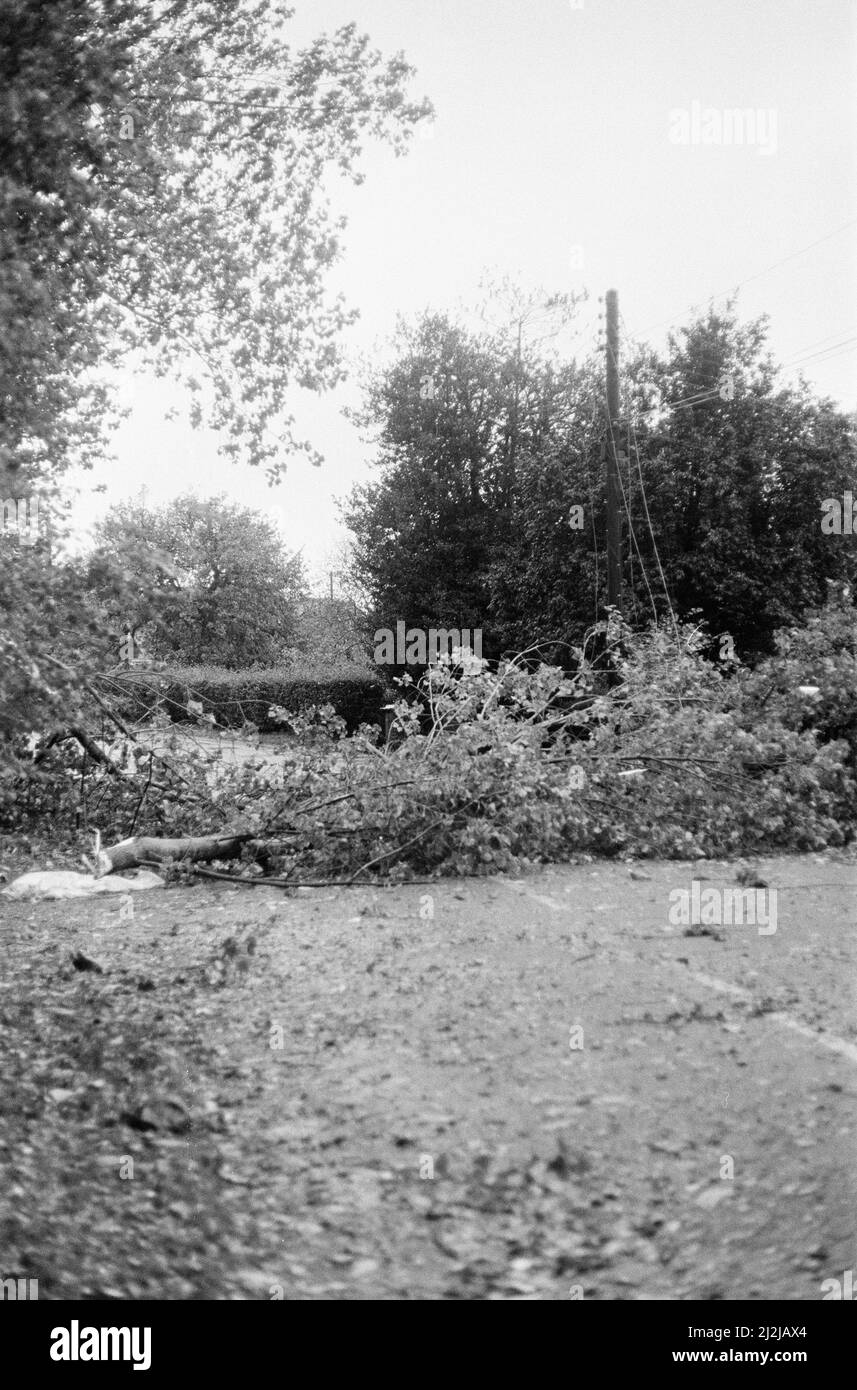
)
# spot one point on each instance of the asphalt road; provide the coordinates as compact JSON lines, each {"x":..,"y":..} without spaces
{"x":497,"y":1089}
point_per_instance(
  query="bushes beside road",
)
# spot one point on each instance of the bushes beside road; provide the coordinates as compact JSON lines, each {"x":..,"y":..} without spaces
{"x":683,"y":757}
{"x":234,"y":699}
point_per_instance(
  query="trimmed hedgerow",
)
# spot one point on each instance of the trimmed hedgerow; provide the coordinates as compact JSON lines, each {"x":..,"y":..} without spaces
{"x":234,"y":699}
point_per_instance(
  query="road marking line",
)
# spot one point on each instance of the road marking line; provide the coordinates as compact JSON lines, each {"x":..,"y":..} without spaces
{"x":722,"y":986}
{"x":828,"y":1040}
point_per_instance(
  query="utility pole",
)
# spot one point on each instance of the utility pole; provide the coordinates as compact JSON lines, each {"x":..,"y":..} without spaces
{"x":614,"y":535}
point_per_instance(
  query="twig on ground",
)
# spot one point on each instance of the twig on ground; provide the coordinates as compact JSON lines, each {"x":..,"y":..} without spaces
{"x":263,"y":882}
{"x":398,"y":849}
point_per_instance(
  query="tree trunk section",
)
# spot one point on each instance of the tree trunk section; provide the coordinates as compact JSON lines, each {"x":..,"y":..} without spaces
{"x":131,"y":854}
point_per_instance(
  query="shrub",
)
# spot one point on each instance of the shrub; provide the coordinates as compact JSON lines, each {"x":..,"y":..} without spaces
{"x":235,"y":699}
{"x":684,"y":758}
{"x":811,"y":681}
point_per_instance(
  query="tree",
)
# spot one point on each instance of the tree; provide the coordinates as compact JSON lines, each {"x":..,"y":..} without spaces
{"x":454,"y":417}
{"x":222,"y":235}
{"x":163,"y":192}
{"x":213,"y":582}
{"x":58,"y":64}
{"x":735,"y":469}
{"x":163,"y":176}
{"x":331,"y":633}
{"x":723,"y":474}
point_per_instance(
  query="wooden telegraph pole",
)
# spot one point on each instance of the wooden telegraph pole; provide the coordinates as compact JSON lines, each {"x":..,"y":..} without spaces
{"x":614,"y":532}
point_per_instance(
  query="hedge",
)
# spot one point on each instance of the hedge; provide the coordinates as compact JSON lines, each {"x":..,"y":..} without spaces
{"x":239,"y":697}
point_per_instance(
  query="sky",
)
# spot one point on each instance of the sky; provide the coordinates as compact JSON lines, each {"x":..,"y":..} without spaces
{"x":576,"y":146}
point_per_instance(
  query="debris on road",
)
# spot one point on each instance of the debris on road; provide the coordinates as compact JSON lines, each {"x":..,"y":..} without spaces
{"x":64,"y":883}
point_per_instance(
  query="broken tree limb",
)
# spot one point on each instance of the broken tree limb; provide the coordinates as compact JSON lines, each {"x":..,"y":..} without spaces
{"x":85,"y":740}
{"x":309,"y":808}
{"x":143,"y":795}
{"x":111,"y":714}
{"x":398,"y":849}
{"x":141,"y":850}
{"x":267,"y":882}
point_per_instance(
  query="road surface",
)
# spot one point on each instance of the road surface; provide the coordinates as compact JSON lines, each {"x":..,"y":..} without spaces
{"x":491,"y":1089}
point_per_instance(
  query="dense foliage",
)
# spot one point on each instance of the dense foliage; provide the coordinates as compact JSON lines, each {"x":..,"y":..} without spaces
{"x":212,"y":582}
{"x":331,"y":632}
{"x":489,"y":506}
{"x":163,"y":194}
{"x":53,"y":646}
{"x":456,"y":417}
{"x":164,"y":181}
{"x":683,"y":757}
{"x":238,"y":699}
{"x":162,"y":189}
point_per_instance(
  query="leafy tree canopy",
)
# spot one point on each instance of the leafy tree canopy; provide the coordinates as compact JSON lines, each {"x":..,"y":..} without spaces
{"x":454,"y":416}
{"x":164,"y":171}
{"x":213,"y":582}
{"x":490,"y":506}
{"x":162,"y":191}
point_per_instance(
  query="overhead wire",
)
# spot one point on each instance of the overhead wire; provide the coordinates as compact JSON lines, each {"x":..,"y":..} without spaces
{"x":587,"y":442}
{"x":834,"y":350}
{"x":632,"y":431}
{"x":625,"y":503}
{"x":816,"y":342}
{"x":732,"y":289}
{"x":824,"y":348}
{"x":651,"y":529}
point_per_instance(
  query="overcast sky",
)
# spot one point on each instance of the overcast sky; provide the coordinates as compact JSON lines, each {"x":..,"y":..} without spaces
{"x":555,"y":144}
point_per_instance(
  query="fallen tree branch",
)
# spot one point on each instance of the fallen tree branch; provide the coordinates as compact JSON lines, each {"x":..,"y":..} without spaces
{"x":86,"y":741}
{"x":120,"y":724}
{"x":143,"y":850}
{"x":309,"y":808}
{"x":399,"y":849}
{"x":262,"y":882}
{"x":103,"y":705}
{"x":662,"y":758}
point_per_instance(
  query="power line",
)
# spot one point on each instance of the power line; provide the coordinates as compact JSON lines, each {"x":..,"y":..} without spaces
{"x":757,"y":274}
{"x":796,"y":359}
{"x":651,"y":528}
{"x":686,"y":401}
{"x":834,"y":349}
{"x":817,"y":341}
{"x":633,"y":535}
